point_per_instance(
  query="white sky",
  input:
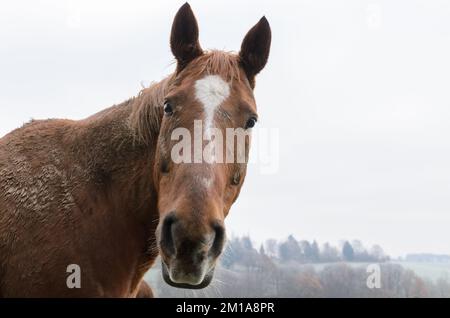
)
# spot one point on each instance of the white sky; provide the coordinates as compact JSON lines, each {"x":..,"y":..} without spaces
{"x":358,"y":89}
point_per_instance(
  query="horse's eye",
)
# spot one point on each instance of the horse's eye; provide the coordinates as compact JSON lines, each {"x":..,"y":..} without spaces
{"x":168,"y":108}
{"x":251,"y":123}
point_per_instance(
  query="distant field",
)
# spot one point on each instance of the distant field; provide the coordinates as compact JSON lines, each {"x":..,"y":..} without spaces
{"x":431,"y":271}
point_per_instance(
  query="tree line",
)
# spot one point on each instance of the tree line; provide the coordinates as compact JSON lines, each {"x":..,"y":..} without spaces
{"x":240,"y":250}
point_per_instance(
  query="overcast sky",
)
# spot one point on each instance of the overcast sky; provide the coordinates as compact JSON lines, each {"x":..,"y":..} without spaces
{"x":359,"y":91}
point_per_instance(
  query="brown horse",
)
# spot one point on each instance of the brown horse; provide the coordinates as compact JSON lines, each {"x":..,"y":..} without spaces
{"x":104,"y":193}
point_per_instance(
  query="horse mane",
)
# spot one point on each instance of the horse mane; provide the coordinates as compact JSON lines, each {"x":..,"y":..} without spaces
{"x":147,"y":110}
{"x":147,"y":107}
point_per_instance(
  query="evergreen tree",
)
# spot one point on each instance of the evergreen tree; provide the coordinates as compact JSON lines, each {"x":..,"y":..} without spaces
{"x":347,"y":251}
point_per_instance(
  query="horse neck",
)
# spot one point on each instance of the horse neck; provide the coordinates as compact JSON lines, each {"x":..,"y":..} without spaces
{"x":118,"y":163}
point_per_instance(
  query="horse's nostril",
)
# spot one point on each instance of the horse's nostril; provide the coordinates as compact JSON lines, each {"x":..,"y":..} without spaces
{"x":167,"y":243}
{"x":219,"y":239}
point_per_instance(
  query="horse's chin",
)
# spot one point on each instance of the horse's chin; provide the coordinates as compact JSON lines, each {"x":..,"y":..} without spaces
{"x":204,"y":283}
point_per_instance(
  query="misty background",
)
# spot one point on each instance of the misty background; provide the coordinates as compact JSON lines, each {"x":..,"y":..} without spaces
{"x":357,"y":89}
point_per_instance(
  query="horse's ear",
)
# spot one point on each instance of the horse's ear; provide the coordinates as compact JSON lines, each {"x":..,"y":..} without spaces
{"x":255,"y":49}
{"x":184,"y":37}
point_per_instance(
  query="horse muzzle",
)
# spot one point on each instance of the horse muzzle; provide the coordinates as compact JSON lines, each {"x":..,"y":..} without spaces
{"x":188,"y":251}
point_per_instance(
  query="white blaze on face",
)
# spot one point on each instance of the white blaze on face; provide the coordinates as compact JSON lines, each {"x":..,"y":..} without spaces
{"x":211,"y":91}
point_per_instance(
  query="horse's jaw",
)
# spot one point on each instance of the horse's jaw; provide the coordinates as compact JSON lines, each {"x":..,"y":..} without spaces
{"x":205,"y":282}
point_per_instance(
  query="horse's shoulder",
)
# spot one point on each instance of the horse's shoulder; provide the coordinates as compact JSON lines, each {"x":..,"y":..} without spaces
{"x":32,"y":164}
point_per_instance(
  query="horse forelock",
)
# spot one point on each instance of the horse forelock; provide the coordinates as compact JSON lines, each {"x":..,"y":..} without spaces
{"x":215,"y":62}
